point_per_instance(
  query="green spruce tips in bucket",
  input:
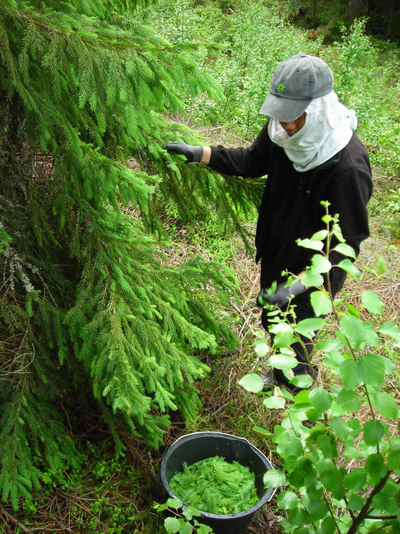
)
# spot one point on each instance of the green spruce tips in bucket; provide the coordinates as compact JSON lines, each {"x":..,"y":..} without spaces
{"x":216,"y":486}
{"x":199,"y":446}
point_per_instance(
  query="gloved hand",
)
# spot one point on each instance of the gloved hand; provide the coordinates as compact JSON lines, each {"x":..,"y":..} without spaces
{"x":282,"y":295}
{"x":192,"y":153}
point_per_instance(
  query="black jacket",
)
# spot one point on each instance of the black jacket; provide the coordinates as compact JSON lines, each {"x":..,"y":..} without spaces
{"x":290,"y":207}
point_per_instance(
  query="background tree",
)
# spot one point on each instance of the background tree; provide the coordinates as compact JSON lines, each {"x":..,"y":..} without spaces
{"x":90,"y":308}
{"x":328,"y":16}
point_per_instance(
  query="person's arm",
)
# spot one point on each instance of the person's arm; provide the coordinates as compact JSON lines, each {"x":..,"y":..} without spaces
{"x":246,"y":162}
{"x":251,"y":162}
{"x":206,"y":156}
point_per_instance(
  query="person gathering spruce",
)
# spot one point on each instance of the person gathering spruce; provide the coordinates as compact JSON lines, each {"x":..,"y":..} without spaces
{"x":309,"y":152}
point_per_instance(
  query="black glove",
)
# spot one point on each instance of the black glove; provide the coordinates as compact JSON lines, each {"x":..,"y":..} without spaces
{"x":282,"y":294}
{"x":192,"y":153}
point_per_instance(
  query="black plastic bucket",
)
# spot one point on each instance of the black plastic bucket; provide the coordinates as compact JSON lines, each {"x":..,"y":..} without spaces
{"x":200,"y":445}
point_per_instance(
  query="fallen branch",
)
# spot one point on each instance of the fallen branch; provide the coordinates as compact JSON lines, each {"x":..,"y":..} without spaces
{"x":15,"y":521}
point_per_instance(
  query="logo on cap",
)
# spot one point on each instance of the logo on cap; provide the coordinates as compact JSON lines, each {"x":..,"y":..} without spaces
{"x":280,"y":87}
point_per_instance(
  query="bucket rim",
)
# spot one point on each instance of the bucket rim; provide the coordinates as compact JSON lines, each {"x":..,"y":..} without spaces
{"x":250,"y":511}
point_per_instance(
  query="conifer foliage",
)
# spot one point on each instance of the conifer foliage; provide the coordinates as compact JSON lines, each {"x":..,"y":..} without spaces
{"x":89,"y":306}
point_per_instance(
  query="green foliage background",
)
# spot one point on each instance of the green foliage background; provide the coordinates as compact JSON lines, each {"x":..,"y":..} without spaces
{"x":91,"y":308}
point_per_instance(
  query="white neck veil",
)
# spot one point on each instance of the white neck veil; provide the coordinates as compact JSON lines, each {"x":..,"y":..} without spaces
{"x":328,"y":128}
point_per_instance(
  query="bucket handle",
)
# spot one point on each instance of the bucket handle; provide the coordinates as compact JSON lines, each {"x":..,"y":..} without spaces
{"x":220,"y":434}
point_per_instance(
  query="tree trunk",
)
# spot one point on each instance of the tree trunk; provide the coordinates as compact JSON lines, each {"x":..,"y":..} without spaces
{"x":356,"y":8}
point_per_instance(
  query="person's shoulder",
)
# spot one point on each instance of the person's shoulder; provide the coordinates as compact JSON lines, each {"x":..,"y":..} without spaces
{"x":355,"y":146}
{"x":354,"y":154}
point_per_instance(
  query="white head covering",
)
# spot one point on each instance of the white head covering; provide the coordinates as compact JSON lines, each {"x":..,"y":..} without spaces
{"x":328,"y":128}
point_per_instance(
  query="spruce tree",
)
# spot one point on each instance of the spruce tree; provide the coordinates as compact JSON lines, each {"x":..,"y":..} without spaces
{"x":90,"y":306}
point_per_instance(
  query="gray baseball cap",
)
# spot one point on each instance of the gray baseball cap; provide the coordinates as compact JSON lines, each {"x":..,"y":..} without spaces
{"x":296,"y":81}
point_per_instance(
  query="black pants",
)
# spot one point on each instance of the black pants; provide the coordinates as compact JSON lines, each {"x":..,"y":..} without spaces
{"x":303,"y":310}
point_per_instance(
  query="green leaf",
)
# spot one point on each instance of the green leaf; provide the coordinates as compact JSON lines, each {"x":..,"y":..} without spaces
{"x":283,"y":335}
{"x":351,"y":374}
{"x":327,"y":446}
{"x":374,"y":369}
{"x":324,"y":465}
{"x":383,"y":503}
{"x":333,"y":361}
{"x":321,"y":303}
{"x":317,"y":510}
{"x":287,"y":395}
{"x":372,"y":302}
{"x":352,"y":311}
{"x":274,"y":478}
{"x":337,"y":410}
{"x":332,"y":481}
{"x":350,"y":268}
{"x":261,"y":348}
{"x":313,"y":245}
{"x":390,"y":489}
{"x":389,"y":367}
{"x":371,"y":337}
{"x":356,"y":479}
{"x":340,"y":428}
{"x":262,"y":432}
{"x":190,"y":512}
{"x":355,"y":503}
{"x":302,"y":397}
{"x":313,"y":415}
{"x":308,"y":326}
{"x":252,"y":382}
{"x":386,"y":405}
{"x":381,"y":265}
{"x":373,"y":432}
{"x":312,"y":279}
{"x":292,"y":448}
{"x":349,"y":400}
{"x":328,"y":525}
{"x":330,"y":345}
{"x":393,"y":463}
{"x":302,"y":381}
{"x":337,"y":232}
{"x":346,"y":250}
{"x":353,"y":329}
{"x":172,"y":525}
{"x":319,"y":236}
{"x":280,"y":361}
{"x":355,"y":425}
{"x":376,"y":468}
{"x":174,"y":503}
{"x":187,"y":528}
{"x":320,"y":264}
{"x":204,"y":529}
{"x":320,"y":399}
{"x":351,"y":452}
{"x":275,"y":402}
{"x":298,"y":516}
{"x":392,"y":330}
{"x":287,"y":500}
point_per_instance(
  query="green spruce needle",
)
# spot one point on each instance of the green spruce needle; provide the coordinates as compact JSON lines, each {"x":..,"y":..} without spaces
{"x":215,"y":486}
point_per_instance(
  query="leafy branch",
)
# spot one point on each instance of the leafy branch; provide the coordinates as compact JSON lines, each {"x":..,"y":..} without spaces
{"x":320,"y":494}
